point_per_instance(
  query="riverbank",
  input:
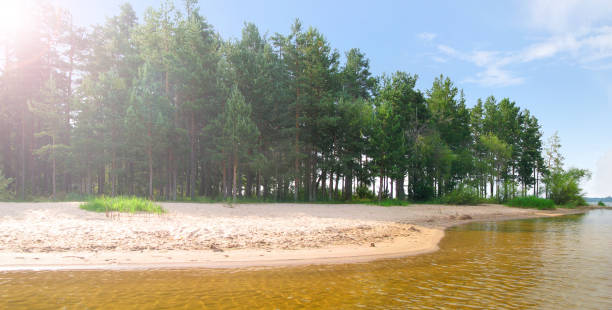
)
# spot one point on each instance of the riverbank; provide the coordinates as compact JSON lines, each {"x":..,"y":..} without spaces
{"x":62,"y":236}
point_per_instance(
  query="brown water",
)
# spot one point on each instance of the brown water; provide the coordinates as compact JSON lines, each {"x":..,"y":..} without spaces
{"x":553,"y":263}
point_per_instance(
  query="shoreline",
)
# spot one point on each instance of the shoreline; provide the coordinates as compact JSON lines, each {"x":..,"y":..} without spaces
{"x":331,"y":236}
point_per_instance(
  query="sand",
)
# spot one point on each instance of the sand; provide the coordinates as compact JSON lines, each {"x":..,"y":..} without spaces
{"x":62,"y":236}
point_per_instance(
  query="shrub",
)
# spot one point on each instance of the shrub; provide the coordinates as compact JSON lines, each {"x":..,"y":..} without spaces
{"x":122,"y":204}
{"x":463,"y":195}
{"x":563,"y":186}
{"x":4,"y":184}
{"x":532,"y":202}
{"x":601,"y":204}
{"x":363,"y":192}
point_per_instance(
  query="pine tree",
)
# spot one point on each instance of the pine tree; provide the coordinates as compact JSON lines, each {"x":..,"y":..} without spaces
{"x":239,"y":132}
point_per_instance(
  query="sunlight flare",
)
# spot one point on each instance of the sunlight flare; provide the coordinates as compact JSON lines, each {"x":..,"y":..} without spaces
{"x":12,"y":15}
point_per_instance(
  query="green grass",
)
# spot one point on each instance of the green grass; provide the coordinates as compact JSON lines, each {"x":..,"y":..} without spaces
{"x":122,"y":204}
{"x":531,"y":202}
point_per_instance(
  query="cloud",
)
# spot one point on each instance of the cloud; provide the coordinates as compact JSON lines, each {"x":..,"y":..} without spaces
{"x":601,"y":184}
{"x":589,"y":48}
{"x":578,"y":32}
{"x":427,"y":36}
{"x":558,"y":16}
{"x":492,"y":63}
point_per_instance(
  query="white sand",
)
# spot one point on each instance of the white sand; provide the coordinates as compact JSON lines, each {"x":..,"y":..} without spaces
{"x":60,"y":235}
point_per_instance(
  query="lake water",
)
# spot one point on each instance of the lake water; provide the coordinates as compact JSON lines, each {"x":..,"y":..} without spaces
{"x":552,"y":263}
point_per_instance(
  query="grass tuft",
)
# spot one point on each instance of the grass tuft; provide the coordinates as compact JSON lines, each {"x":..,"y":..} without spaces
{"x":531,"y":202}
{"x":122,"y":204}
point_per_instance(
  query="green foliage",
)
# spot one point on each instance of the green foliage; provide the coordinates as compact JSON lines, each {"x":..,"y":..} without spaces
{"x":387,"y":202}
{"x":4,"y":184}
{"x":532,"y":202}
{"x":164,"y":107}
{"x":564,"y":186}
{"x":601,"y":204}
{"x":462,"y":195}
{"x":122,"y":204}
{"x":363,"y":192}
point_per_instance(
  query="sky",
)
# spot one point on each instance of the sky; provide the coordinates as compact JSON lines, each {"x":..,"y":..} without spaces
{"x":552,"y":57}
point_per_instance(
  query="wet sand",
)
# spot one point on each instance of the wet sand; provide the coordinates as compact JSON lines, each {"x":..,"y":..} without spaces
{"x":62,"y":236}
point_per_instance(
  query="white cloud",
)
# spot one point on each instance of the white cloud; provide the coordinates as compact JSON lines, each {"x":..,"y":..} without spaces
{"x":558,"y":16}
{"x":492,"y":64}
{"x":589,"y":48}
{"x":494,"y":77}
{"x":427,"y":36}
{"x":601,"y":183}
{"x":579,"y":33}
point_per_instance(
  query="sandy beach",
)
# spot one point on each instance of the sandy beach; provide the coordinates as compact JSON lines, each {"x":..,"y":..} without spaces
{"x":62,"y":236}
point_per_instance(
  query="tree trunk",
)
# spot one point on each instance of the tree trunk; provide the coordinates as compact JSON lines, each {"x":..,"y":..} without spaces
{"x":114,"y":173}
{"x":53,"y":172}
{"x":380,"y":185}
{"x":235,"y":167}
{"x":23,"y":157}
{"x":150,"y":160}
{"x":192,"y":165}
{"x":248,"y":191}
{"x":336,"y":186}
{"x":348,"y":185}
{"x":101,"y":180}
{"x":399,"y":188}
{"x":67,"y":106}
{"x":224,"y":177}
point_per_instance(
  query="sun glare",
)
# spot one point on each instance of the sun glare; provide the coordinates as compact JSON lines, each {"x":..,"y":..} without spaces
{"x":12,"y":15}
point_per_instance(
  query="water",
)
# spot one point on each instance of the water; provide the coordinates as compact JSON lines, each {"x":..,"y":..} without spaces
{"x":552,"y":263}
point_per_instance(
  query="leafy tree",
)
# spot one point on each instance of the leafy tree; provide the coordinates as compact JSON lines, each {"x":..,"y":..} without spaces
{"x":498,"y":153}
{"x":564,"y":186}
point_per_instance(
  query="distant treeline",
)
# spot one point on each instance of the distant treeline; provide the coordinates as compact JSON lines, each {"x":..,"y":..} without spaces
{"x":166,"y":108}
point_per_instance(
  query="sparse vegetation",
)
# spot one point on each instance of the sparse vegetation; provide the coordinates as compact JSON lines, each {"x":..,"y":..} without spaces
{"x":532,"y":202}
{"x":122,"y":204}
{"x":463,"y":195}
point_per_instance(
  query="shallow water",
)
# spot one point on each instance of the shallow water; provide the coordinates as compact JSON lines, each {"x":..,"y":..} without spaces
{"x":552,"y":263}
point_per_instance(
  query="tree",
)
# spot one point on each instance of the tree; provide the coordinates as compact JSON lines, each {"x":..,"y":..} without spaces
{"x":553,"y":160}
{"x":409,"y":113}
{"x":451,"y":119}
{"x":51,"y":112}
{"x":498,"y":153}
{"x":530,"y":151}
{"x":239,"y":132}
{"x":564,"y":186}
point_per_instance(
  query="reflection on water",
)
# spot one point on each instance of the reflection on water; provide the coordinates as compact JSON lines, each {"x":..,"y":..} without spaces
{"x":552,"y":263}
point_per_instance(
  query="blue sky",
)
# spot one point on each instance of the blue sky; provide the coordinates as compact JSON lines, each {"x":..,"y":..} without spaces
{"x":551,"y":57}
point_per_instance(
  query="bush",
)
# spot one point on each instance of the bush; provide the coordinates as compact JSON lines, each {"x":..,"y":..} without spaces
{"x":4,"y":184}
{"x":577,"y":202}
{"x":463,"y":195}
{"x":122,"y":204}
{"x":601,"y":204}
{"x":532,"y":202}
{"x":564,"y":188}
{"x":363,"y":192}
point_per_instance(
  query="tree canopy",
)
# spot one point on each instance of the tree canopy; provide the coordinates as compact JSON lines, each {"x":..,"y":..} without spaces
{"x":166,"y":108}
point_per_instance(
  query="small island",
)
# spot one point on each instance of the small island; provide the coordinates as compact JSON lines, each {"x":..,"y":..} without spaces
{"x":64,"y":236}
